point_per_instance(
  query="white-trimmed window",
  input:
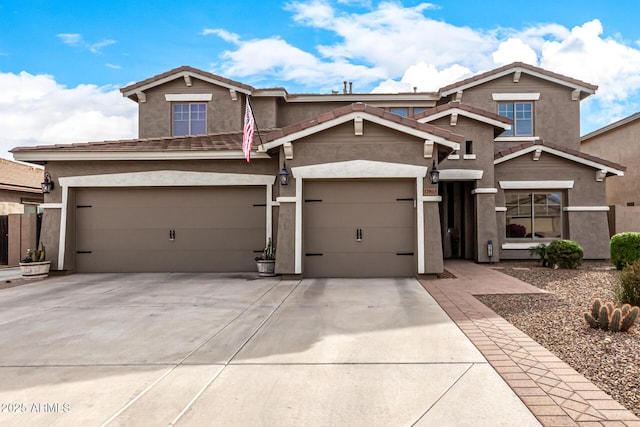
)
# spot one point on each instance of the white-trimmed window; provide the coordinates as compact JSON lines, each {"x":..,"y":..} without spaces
{"x":522,"y":115}
{"x":189,"y":119}
{"x":533,"y":215}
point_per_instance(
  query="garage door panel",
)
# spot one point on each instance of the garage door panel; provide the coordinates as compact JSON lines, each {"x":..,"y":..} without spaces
{"x":358,"y":215}
{"x":172,"y":261}
{"x":384,"y":212}
{"x":370,"y":265}
{"x":128,"y":229}
{"x":393,"y":239}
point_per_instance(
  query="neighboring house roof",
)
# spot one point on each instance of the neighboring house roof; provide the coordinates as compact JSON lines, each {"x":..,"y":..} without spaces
{"x":611,"y":168}
{"x":455,"y":109}
{"x":615,"y":125}
{"x":585,"y":88}
{"x":361,"y":111}
{"x":184,"y":72}
{"x":18,"y":177}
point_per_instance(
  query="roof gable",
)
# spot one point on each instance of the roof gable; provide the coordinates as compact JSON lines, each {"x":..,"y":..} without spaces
{"x":359,"y":112}
{"x":185,"y":72}
{"x":457,"y":108}
{"x":611,"y":168}
{"x":585,"y":89}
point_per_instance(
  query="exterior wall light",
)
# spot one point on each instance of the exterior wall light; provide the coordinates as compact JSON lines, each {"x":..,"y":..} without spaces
{"x":434,"y":174}
{"x":284,"y":175}
{"x":47,"y":184}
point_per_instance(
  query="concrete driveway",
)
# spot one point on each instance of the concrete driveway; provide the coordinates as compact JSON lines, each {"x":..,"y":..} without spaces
{"x":201,"y":349}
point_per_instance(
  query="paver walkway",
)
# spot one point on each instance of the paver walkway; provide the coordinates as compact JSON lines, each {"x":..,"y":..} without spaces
{"x":554,"y":392}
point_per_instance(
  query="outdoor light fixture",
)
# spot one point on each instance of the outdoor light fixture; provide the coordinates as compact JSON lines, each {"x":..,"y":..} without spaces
{"x":284,"y":175}
{"x":47,"y":184}
{"x":434,"y":174}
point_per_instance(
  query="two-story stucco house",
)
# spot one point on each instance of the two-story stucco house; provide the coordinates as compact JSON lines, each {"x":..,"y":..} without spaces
{"x":360,"y":200}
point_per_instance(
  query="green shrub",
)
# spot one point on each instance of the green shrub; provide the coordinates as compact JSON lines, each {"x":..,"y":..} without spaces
{"x":625,"y":249}
{"x":541,"y":251}
{"x":627,"y":290}
{"x":564,"y":254}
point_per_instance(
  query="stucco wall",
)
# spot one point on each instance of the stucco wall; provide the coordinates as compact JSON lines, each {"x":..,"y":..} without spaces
{"x":620,"y":145}
{"x":588,"y":228}
{"x":556,"y":116}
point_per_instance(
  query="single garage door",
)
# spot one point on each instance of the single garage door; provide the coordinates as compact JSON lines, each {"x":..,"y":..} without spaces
{"x":177,"y":229}
{"x":359,"y":228}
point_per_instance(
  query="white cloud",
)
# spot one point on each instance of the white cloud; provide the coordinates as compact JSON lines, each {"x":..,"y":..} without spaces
{"x":36,"y":110}
{"x":424,"y":78}
{"x":513,"y":50}
{"x":76,"y":40}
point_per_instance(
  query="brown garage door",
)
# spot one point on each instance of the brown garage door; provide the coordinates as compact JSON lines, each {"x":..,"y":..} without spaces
{"x":215,"y":229}
{"x":359,"y":228}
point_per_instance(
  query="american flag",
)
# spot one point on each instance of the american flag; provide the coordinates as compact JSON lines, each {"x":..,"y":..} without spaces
{"x":247,"y":133}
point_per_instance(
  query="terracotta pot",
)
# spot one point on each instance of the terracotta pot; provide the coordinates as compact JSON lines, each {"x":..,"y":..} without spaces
{"x":35,"y":270}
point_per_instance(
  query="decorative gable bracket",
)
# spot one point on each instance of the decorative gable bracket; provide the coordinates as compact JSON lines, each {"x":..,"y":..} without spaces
{"x":428,"y":149}
{"x":536,"y":154}
{"x":601,"y":175}
{"x":288,"y":150}
{"x":575,"y":95}
{"x":516,"y":76}
{"x":358,"y":126}
{"x":142,"y":97}
{"x":454,"y":119}
{"x":187,"y":80}
{"x":233,"y":94}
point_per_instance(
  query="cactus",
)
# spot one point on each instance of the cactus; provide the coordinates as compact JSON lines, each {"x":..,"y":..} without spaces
{"x":592,"y":321}
{"x":607,"y":317}
{"x":614,"y":322}
{"x":625,"y":309}
{"x":595,"y":308}
{"x":629,"y":319}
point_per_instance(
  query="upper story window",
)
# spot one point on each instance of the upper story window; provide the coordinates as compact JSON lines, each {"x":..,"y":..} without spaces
{"x":522,"y":115}
{"x":189,"y":119}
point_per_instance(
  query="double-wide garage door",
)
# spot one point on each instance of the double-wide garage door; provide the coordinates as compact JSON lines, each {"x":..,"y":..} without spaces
{"x":177,"y":229}
{"x":359,"y":228}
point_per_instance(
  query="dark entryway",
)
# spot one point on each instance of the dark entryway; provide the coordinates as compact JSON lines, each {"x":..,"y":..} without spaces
{"x":457,"y":215}
{"x":4,"y":239}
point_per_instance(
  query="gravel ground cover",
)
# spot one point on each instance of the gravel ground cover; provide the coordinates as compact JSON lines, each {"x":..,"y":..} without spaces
{"x":555,"y":321}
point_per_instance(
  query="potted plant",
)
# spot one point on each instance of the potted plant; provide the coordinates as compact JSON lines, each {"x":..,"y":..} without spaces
{"x":34,"y":266}
{"x":267,"y":261}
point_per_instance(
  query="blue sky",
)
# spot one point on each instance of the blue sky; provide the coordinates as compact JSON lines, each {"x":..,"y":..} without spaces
{"x":62,"y":62}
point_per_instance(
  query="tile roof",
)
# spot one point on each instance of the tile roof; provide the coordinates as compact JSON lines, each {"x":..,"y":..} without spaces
{"x":455,"y":104}
{"x":365,"y":108}
{"x":561,"y":148}
{"x":497,"y":71}
{"x":224,"y":141}
{"x":184,"y":69}
{"x":18,"y":177}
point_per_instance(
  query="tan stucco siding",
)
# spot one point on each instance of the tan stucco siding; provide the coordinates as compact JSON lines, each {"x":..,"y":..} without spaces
{"x":588,"y":228}
{"x":155,"y":115}
{"x":556,"y":116}
{"x":620,"y":145}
